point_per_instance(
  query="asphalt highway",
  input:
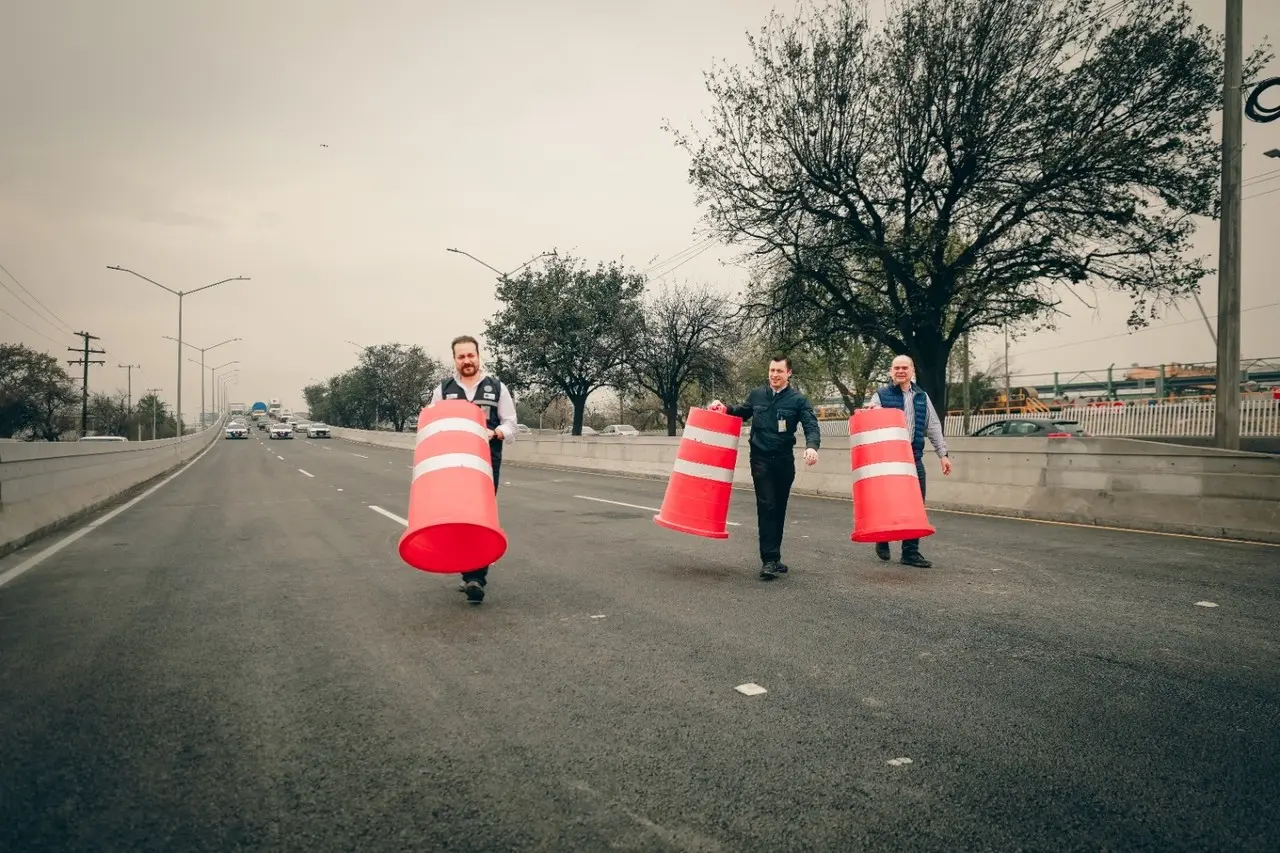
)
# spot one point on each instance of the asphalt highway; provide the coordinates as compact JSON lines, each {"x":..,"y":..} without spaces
{"x":240,"y":661}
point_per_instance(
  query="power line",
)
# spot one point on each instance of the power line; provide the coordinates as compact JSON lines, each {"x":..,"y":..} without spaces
{"x":47,"y":309}
{"x":1137,"y":331}
{"x":1258,"y":195}
{"x":33,"y":329}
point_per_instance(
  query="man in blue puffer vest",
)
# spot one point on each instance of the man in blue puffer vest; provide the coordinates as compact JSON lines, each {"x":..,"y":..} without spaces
{"x":922,"y":419}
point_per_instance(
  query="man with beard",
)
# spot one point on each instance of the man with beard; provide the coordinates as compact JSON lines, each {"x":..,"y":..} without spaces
{"x":472,"y":384}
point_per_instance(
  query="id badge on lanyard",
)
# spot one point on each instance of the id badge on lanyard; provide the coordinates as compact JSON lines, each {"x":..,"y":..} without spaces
{"x":782,"y":424}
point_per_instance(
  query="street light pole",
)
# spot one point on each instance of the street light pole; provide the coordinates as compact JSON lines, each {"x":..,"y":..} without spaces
{"x":179,"y":294}
{"x":215,"y":379}
{"x":202,"y":352}
{"x":226,"y":380}
{"x":502,"y":275}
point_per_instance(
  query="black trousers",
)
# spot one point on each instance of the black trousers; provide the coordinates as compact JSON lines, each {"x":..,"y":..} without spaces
{"x":482,"y":574}
{"x":772,"y":476}
{"x":912,"y":546}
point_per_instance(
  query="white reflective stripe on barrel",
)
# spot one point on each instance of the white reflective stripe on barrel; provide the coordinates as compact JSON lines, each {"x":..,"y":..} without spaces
{"x":452,"y":460}
{"x":875,"y":436}
{"x":885,"y":469}
{"x":452,"y":425}
{"x":704,"y":472}
{"x":706,"y":436}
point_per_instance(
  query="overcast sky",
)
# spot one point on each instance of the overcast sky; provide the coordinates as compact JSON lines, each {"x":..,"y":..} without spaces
{"x":184,"y":140}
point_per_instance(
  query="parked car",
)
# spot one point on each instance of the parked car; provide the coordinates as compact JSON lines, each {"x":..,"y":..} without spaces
{"x":1032,"y":428}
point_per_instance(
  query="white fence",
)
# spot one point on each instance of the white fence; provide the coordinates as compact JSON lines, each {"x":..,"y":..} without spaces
{"x":1258,"y":418}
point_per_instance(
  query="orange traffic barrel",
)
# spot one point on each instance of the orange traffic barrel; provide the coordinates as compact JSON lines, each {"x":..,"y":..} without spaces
{"x":697,"y":499}
{"x":887,"y":504}
{"x":453,"y":511}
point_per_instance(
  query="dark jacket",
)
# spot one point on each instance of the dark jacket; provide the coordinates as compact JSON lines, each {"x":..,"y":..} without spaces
{"x":764,"y":409}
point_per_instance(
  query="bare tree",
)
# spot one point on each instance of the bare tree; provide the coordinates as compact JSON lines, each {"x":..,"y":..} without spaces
{"x":682,"y":342}
{"x":966,"y":166}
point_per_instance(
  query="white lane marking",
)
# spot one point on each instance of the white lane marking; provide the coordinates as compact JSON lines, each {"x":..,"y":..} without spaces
{"x":307,"y":473}
{"x":391,"y":515}
{"x":281,"y":458}
{"x":600,"y":616}
{"x":361,"y":455}
{"x":751,"y":689}
{"x":37,"y":559}
{"x":637,"y":506}
{"x":898,"y":762}
{"x":1205,"y":604}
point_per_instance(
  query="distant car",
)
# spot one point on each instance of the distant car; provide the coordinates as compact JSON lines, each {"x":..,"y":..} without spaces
{"x":301,"y":426}
{"x":1032,"y":428}
{"x":620,"y":429}
{"x":317,"y":430}
{"x":263,"y":424}
{"x":586,"y":430}
{"x":280,"y":431}
{"x":235,"y":430}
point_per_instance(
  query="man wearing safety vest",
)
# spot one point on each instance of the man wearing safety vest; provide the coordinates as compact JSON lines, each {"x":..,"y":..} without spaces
{"x":471,"y":383}
{"x":775,"y":410}
{"x":922,"y":420}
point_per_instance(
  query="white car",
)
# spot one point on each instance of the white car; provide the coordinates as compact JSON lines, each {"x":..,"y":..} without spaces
{"x":281,"y":431}
{"x":235,"y":430}
{"x":318,"y":430}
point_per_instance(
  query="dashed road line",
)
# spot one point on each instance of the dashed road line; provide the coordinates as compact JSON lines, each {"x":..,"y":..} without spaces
{"x":360,"y":455}
{"x":637,"y":506}
{"x":391,"y":515}
{"x":281,"y":458}
{"x":307,"y":473}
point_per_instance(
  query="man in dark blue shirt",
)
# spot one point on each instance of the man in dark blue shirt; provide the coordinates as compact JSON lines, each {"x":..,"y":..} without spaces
{"x":775,"y":410}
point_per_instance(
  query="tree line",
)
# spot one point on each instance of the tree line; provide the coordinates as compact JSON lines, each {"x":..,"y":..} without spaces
{"x":566,"y":329}
{"x":41,"y":401}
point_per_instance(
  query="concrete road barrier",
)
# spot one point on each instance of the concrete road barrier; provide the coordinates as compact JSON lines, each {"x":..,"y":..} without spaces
{"x":1114,"y":482}
{"x":47,"y":485}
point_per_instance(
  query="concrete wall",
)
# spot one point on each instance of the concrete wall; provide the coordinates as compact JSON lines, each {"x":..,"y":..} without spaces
{"x":47,"y":485}
{"x":1115,"y":482}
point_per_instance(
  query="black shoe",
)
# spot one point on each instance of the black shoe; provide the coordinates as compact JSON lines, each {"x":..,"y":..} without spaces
{"x":781,"y":568}
{"x":769,"y":570}
{"x":882,"y":551}
{"x":916,"y":560}
{"x":475,"y":592}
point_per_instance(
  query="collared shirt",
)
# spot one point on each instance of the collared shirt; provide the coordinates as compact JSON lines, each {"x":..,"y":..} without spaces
{"x":506,"y":405}
{"x":932,"y":423}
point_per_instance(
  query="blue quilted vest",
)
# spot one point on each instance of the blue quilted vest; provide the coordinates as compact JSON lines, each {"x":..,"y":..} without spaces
{"x":891,"y":397}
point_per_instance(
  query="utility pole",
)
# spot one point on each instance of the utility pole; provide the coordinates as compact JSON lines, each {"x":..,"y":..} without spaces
{"x":129,"y":393}
{"x":1226,"y":421}
{"x":966,"y":382}
{"x":86,"y":361}
{"x":152,"y":392}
